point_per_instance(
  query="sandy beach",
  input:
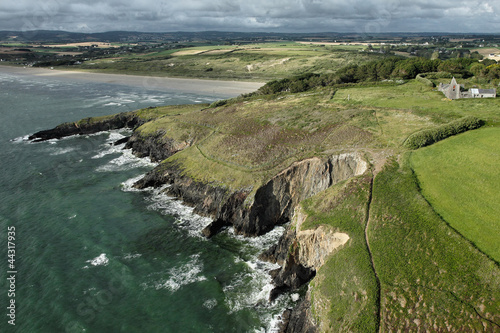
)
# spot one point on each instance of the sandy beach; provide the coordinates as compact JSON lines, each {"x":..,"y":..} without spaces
{"x":196,"y":86}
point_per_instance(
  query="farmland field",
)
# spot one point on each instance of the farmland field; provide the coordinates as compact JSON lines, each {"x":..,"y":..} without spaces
{"x":461,"y":179}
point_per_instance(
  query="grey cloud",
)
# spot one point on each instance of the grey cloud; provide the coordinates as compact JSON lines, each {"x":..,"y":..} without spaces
{"x":257,"y":15}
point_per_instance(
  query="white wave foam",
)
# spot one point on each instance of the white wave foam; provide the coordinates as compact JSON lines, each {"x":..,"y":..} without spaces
{"x":185,"y":217}
{"x":250,"y":288}
{"x":128,"y":185}
{"x":180,"y":276}
{"x":261,"y":242}
{"x":126,"y":161}
{"x":274,"y":325}
{"x":20,"y":139}
{"x":90,"y":290}
{"x":101,"y":260}
{"x":113,"y":104}
{"x":61,"y":151}
{"x":108,"y":147}
{"x":210,"y":303}
{"x":129,"y":256}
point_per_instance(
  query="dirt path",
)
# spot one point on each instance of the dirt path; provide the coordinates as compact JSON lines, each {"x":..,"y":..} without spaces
{"x":367,"y":224}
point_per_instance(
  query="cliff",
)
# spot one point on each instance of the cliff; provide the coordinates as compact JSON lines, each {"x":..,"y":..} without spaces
{"x":273,"y":203}
{"x":380,"y":256}
{"x":250,"y":211}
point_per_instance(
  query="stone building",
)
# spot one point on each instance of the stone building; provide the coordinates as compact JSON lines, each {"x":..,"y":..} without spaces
{"x":456,"y":91}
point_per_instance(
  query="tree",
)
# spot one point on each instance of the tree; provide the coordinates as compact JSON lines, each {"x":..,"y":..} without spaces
{"x":477,"y":69}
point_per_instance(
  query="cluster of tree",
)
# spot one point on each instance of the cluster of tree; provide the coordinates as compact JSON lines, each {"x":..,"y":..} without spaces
{"x":391,"y":68}
{"x":487,"y":71}
{"x":442,"y":52}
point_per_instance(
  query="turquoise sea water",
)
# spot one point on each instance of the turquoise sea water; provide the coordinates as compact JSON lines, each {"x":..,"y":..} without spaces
{"x":93,"y":255}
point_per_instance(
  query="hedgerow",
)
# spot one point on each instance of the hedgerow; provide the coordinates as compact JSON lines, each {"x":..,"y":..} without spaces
{"x":430,"y":136}
{"x":422,"y":79}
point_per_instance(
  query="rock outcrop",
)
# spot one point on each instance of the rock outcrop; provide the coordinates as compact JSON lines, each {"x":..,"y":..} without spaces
{"x":299,"y":319}
{"x":300,"y":253}
{"x":89,"y":126}
{"x":207,"y":199}
{"x":156,"y":146}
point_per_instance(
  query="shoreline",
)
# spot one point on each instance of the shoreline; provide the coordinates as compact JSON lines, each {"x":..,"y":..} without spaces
{"x":167,"y":84}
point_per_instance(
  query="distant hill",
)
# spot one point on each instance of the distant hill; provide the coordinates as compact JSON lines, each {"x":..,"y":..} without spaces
{"x":120,"y":36}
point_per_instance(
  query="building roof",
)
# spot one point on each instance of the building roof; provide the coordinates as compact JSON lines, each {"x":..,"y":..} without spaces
{"x":483,"y":91}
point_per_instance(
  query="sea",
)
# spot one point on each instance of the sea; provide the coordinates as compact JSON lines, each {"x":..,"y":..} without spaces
{"x":83,"y":251}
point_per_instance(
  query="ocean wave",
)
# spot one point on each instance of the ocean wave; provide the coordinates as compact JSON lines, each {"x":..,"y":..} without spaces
{"x":210,"y":303}
{"x":261,"y":242}
{"x":61,"y":151}
{"x":20,"y":139}
{"x":128,"y":185}
{"x":249,"y":289}
{"x":126,"y":161}
{"x":113,"y":104}
{"x":185,"y":218}
{"x":129,"y":256}
{"x":180,"y":276}
{"x":108,"y":146}
{"x":252,"y":288}
{"x":101,"y":260}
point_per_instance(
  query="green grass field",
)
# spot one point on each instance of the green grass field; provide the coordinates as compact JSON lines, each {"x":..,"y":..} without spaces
{"x":260,"y":62}
{"x":460,"y":177}
{"x":432,"y":279}
{"x":420,"y":100}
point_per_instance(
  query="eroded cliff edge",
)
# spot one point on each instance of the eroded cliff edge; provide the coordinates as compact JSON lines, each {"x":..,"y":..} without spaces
{"x":251,"y":211}
{"x":251,"y":166}
{"x":272,"y":203}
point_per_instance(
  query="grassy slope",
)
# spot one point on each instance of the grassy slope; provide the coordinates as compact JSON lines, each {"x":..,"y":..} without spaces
{"x":431,"y":278}
{"x":344,"y":291}
{"x":421,"y":101}
{"x":460,"y":177}
{"x":249,"y":62}
{"x":252,"y":139}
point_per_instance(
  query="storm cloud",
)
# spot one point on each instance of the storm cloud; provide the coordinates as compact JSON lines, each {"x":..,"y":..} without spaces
{"x":362,"y":16}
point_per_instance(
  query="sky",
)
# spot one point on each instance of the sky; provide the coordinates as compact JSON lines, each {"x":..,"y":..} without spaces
{"x":360,"y":16}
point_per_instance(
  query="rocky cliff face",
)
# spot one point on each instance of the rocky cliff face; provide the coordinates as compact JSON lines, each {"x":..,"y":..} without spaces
{"x":299,"y":319}
{"x":157,"y":146}
{"x":300,"y":253}
{"x":273,"y":203}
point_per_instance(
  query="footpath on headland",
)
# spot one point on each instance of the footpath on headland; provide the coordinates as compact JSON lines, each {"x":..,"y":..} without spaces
{"x":196,"y":86}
